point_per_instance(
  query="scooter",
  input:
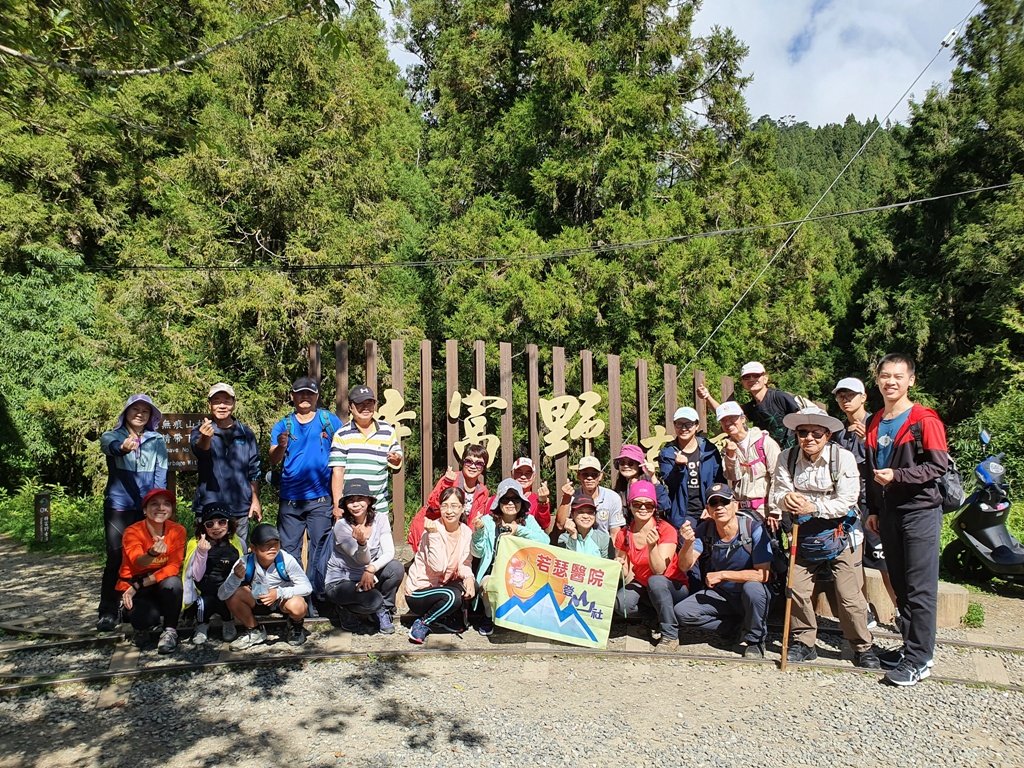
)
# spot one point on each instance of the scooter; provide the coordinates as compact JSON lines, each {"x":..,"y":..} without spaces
{"x":984,"y":547}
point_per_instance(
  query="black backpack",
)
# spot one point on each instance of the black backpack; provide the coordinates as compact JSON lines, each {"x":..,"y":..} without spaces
{"x":950,"y":484}
{"x":779,"y":564}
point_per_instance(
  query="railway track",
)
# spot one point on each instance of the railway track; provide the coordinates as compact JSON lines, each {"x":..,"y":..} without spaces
{"x":126,"y":664}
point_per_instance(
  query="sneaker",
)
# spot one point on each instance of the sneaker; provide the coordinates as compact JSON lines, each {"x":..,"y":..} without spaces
{"x":667,"y":645}
{"x":296,"y":633}
{"x":891,"y":659}
{"x":750,"y":650}
{"x":485,"y":627}
{"x":249,"y":638}
{"x":907,"y":674}
{"x":202,"y":634}
{"x":348,"y":621}
{"x":866,"y":659}
{"x":387,"y":626}
{"x":418,"y":632}
{"x":655,"y":635}
{"x":168,"y":641}
{"x":107,"y":623}
{"x":872,"y":617}
{"x":228,"y":631}
{"x":800,"y":652}
{"x":451,"y":626}
{"x":140,"y":638}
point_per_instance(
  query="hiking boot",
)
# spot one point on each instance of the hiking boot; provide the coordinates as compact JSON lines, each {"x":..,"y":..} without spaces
{"x":168,"y":641}
{"x":228,"y":631}
{"x":667,"y":645}
{"x":418,"y":632}
{"x":296,"y":633}
{"x":201,"y":634}
{"x":750,"y":650}
{"x":387,"y":626}
{"x":485,"y":627}
{"x":799,"y":652}
{"x":250,"y":637}
{"x":107,"y":623}
{"x":866,"y":659}
{"x":907,"y":674}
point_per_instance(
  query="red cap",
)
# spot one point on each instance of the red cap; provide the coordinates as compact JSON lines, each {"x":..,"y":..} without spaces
{"x":159,"y":492}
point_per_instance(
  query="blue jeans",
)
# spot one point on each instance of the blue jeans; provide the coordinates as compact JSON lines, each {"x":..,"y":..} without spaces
{"x":294,"y":518}
{"x":710,"y":609}
{"x":661,"y":593}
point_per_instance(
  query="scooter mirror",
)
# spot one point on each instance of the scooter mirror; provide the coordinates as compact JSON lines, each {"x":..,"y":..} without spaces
{"x":985,"y":438}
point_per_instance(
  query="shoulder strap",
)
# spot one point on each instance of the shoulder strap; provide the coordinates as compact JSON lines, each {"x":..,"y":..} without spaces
{"x":746,"y":539}
{"x":791,"y":457}
{"x":918,"y":435}
{"x":833,"y":463}
{"x":250,"y":569}
{"x":279,"y":564}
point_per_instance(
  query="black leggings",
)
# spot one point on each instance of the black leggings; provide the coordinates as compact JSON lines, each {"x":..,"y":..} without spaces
{"x":114,"y":523}
{"x":435,"y":603}
{"x":163,"y":599}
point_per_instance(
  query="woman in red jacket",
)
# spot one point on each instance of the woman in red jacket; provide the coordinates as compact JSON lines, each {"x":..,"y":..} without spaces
{"x":150,"y":576}
{"x":470,"y":478}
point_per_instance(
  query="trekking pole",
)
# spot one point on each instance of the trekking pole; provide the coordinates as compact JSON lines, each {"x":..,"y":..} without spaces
{"x":789,"y":593}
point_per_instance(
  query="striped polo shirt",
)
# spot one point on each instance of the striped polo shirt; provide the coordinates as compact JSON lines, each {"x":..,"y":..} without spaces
{"x":366,"y":457}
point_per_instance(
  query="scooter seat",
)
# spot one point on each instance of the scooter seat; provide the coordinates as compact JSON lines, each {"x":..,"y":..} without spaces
{"x":1004,"y":555}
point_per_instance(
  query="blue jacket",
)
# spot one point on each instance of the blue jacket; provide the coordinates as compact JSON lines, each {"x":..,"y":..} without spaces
{"x":484,"y":543}
{"x":674,"y":477}
{"x":132,"y":475}
{"x":227,"y":468}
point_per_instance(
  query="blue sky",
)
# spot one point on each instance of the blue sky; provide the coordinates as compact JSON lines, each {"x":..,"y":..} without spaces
{"x":821,"y":60}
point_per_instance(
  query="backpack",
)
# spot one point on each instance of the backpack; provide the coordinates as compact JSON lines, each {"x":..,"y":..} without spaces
{"x":325,"y":431}
{"x":792,"y":454}
{"x":759,"y":450}
{"x":250,"y":568}
{"x":950,"y":484}
{"x":779,"y":564}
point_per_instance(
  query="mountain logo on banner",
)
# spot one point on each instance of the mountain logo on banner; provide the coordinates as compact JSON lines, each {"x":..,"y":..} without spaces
{"x":541,"y":611}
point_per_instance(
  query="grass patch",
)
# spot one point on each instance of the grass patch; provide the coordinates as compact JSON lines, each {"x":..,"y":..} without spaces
{"x":975,"y":616}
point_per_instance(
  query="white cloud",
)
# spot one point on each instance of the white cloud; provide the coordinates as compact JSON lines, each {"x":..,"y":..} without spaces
{"x":821,"y":60}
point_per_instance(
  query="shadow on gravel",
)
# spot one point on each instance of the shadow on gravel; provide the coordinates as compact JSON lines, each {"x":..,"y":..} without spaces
{"x":428,"y":728}
{"x":377,"y":675}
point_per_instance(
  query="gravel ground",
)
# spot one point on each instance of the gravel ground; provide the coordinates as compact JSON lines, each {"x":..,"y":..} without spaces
{"x":513,"y":710}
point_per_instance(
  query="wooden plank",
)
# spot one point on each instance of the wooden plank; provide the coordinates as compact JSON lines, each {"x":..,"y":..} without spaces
{"x":728,"y":388}
{"x":341,"y":379}
{"x":643,"y":401}
{"x":426,"y":421}
{"x":700,"y":403}
{"x":451,"y":388}
{"x":533,"y":404}
{"x":614,"y":409}
{"x":370,"y":353}
{"x":587,"y":365}
{"x":124,"y":659}
{"x":398,"y":478}
{"x":505,"y":390}
{"x":558,"y":389}
{"x":671,"y":396}
{"x":313,"y":360}
{"x":480,"y":366}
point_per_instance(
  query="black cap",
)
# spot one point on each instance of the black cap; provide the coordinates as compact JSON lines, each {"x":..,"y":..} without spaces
{"x":306,"y":384}
{"x":360,"y":394}
{"x":263,"y":533}
{"x":357,"y":487}
{"x":722,"y":491}
{"x":214,"y":511}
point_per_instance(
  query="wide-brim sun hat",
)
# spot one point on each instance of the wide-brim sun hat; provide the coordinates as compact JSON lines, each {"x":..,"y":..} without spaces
{"x":506,"y":485}
{"x":812,"y":416}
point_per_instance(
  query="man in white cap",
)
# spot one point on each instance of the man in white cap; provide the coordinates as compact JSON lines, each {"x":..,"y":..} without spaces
{"x":817,"y":485}
{"x":609,"y":504}
{"x":767,"y":406}
{"x":228,"y":460}
{"x":750,"y":457}
{"x":852,"y":398}
{"x":689,"y":465}
{"x":540,"y":502}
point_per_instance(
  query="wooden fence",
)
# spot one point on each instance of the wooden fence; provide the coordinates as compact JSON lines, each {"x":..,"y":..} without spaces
{"x":433,"y":418}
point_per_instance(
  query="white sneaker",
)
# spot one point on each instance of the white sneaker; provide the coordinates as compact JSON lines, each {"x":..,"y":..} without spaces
{"x":229,"y":631}
{"x":249,"y":638}
{"x":202,"y":634}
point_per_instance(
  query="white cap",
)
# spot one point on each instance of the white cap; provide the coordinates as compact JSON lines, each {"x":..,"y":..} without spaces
{"x":752,"y":367}
{"x":729,"y":408}
{"x":852,"y":384}
{"x":685,"y":413}
{"x":522,"y":461}
{"x":220,"y":386}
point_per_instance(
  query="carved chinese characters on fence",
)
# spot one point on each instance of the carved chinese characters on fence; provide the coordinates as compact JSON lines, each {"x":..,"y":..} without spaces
{"x":557,"y":415}
{"x":474,"y":423}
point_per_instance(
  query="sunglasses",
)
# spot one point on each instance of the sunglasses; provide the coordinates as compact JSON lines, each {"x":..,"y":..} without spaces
{"x":509,"y":500}
{"x":590,"y":474}
{"x":717,"y":503}
{"x":473,"y":463}
{"x":817,"y":434}
{"x":215,"y":522}
{"x":642,"y":504}
{"x":685,"y":425}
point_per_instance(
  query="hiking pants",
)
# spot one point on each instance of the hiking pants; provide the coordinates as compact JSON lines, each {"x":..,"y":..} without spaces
{"x":911,"y":544}
{"x":114,"y":523}
{"x":713,"y":609}
{"x":434,"y":603}
{"x":345,"y":595}
{"x":157,"y":605}
{"x":312,"y":516}
{"x":661,"y":593}
{"x":852,"y":607}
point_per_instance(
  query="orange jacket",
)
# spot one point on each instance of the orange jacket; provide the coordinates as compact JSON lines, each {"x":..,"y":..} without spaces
{"x":137,"y":541}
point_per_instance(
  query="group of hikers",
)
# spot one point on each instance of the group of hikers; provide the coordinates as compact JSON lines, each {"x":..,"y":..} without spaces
{"x":698,"y":532}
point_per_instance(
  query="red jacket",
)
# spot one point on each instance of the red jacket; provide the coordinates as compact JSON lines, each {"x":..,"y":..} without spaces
{"x":137,"y":542}
{"x":914,"y":474}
